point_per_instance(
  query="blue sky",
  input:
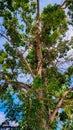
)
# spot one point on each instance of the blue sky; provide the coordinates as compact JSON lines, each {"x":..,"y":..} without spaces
{"x":45,"y":2}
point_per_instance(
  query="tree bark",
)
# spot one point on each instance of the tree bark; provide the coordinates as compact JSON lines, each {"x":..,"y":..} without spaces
{"x":38,"y":42}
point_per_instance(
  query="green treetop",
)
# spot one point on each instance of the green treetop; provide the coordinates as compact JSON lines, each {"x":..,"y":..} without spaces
{"x":34,"y":44}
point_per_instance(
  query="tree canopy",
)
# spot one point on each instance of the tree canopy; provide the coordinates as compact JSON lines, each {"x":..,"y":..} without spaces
{"x":36,"y":92}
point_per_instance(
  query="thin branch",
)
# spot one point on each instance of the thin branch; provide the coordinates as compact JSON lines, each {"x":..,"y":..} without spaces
{"x":11,"y":127}
{"x":22,"y":85}
{"x":16,"y":82}
{"x":68,"y":100}
{"x":20,"y":54}
{"x":60,"y":7}
{"x":3,"y":86}
{"x":63,"y":4}
{"x":59,"y":105}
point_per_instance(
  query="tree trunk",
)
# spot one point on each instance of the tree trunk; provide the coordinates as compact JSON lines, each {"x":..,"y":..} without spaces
{"x":38,"y":42}
{"x":39,"y":63}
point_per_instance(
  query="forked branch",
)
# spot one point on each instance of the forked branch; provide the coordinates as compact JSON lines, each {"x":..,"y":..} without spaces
{"x":59,"y":105}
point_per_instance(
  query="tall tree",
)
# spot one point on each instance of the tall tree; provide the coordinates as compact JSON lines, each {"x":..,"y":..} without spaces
{"x":34,"y":46}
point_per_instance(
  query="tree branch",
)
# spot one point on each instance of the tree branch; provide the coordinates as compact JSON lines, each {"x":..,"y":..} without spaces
{"x":20,"y":54}
{"x":8,"y":126}
{"x":22,"y":85}
{"x":59,"y":105}
{"x":60,"y":7}
{"x":68,"y":100}
{"x":16,"y":82}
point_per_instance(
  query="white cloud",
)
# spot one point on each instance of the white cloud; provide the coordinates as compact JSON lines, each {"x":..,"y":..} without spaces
{"x":70,"y":54}
{"x":64,"y":63}
{"x":2,"y":117}
{"x":13,"y":123}
{"x":69,"y":33}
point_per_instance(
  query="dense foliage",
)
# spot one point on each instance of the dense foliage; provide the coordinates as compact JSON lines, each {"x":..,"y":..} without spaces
{"x":36,"y":91}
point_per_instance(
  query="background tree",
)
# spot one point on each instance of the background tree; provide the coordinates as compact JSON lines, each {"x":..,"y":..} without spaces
{"x":34,"y":44}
